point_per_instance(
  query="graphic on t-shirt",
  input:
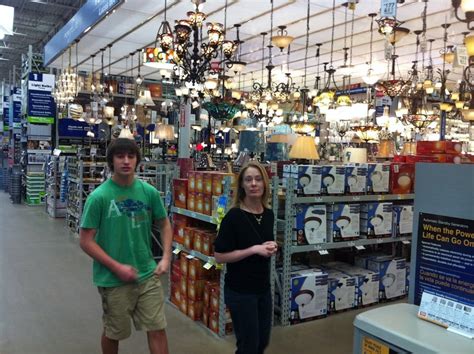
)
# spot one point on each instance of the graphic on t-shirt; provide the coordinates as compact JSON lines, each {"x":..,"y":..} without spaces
{"x":134,"y":209}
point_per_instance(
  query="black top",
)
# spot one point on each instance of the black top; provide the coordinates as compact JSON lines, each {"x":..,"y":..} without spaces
{"x":240,"y":230}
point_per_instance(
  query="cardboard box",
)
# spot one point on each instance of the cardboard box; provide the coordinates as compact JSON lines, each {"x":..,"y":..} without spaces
{"x":183,"y":287}
{"x":308,"y":292}
{"x":175,"y":294}
{"x":189,"y":237}
{"x":175,"y":272}
{"x":333,"y":179}
{"x":179,"y":223}
{"x":197,"y":240}
{"x":218,"y":182}
{"x":183,"y":264}
{"x":309,"y":179}
{"x":310,"y":224}
{"x":343,"y":222}
{"x":207,"y":293}
{"x":207,"y":183}
{"x":341,"y":290}
{"x":199,"y":176}
{"x":195,"y":309}
{"x":402,"y":216}
{"x":195,"y":269}
{"x":191,"y":202}
{"x":195,"y":289}
{"x":402,"y":178}
{"x":205,"y":316}
{"x":192,"y":181}
{"x":208,"y":243}
{"x":207,"y":204}
{"x":183,"y":305}
{"x":362,"y":260}
{"x":214,"y":299}
{"x":438,"y":147}
{"x":214,"y":321}
{"x":378,"y":178}
{"x":199,"y":203}
{"x":376,"y":219}
{"x":356,"y":178}
{"x":392,"y":276}
{"x":180,"y":190}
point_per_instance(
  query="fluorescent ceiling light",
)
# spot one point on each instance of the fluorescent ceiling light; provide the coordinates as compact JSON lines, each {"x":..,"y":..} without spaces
{"x":6,"y":19}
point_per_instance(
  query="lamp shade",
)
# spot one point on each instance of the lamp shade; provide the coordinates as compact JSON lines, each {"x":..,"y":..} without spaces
{"x":469,"y":42}
{"x":304,"y":148}
{"x":145,"y":99}
{"x":386,"y":148}
{"x":164,"y":132}
{"x":355,"y":155}
{"x":126,"y":134}
{"x":409,"y":148}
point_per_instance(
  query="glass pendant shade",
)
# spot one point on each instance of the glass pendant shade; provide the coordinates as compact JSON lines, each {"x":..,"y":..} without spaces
{"x":469,"y":43}
{"x":467,"y":6}
{"x":144,"y":99}
{"x":196,"y":19}
{"x":397,"y":34}
{"x":282,"y":40}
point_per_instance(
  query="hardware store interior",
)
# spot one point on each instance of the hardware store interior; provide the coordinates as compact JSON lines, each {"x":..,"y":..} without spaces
{"x":360,"y":112}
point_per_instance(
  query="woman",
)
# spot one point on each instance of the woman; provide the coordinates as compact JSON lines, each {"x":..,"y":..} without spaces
{"x":245,"y":241}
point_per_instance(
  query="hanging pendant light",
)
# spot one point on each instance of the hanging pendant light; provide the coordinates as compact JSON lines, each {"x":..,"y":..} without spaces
{"x":282,"y":40}
{"x":371,"y":77}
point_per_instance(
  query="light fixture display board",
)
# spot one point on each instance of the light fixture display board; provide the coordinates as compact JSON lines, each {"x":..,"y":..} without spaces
{"x":41,"y":106}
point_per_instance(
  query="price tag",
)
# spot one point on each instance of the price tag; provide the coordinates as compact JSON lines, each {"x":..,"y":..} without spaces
{"x":360,"y":248}
{"x":56,"y":152}
{"x":190,"y":256}
{"x":388,"y":8}
{"x":93,"y":151}
{"x":219,"y":266}
{"x":207,"y":266}
{"x":355,"y":198}
{"x":379,"y":240}
{"x":319,"y":200}
{"x":323,"y":252}
{"x":193,"y":214}
{"x":176,"y":251}
{"x":406,"y":242}
{"x":351,"y":244}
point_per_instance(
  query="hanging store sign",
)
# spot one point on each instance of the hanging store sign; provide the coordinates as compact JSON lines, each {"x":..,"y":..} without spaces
{"x":6,"y":112}
{"x":41,"y":105}
{"x":445,"y":258}
{"x":87,"y":16}
{"x":388,"y":8}
{"x":15,"y":104}
{"x":71,"y":128}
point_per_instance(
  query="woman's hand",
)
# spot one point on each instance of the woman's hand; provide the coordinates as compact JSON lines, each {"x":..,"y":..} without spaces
{"x":266,"y":249}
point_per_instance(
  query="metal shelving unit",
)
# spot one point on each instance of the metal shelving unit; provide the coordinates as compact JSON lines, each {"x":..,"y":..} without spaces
{"x":287,"y":227}
{"x":193,"y":214}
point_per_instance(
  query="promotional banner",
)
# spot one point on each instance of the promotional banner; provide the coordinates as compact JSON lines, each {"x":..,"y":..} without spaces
{"x":70,"y":128}
{"x":41,"y":105}
{"x":445,"y":258}
{"x":6,"y":112}
{"x":15,"y":108}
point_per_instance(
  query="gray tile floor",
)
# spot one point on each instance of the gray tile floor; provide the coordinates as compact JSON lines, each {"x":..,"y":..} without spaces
{"x":49,"y":305}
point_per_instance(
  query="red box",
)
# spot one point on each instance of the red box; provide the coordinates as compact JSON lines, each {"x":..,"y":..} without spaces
{"x":448,"y":158}
{"x":191,"y":202}
{"x":214,"y":321}
{"x":420,"y":158}
{"x":195,"y":269}
{"x":185,"y":165}
{"x":189,"y":237}
{"x":214,"y":305}
{"x":191,"y":181}
{"x":195,"y":309}
{"x":183,"y":264}
{"x":175,"y":295}
{"x":198,"y":240}
{"x":175,"y":273}
{"x":399,"y":158}
{"x":402,"y":178}
{"x":207,"y":183}
{"x":207,"y":204}
{"x":183,"y":287}
{"x":205,"y":316}
{"x":208,"y":243}
{"x":199,"y":203}
{"x":180,"y":190}
{"x":199,"y":187}
{"x":207,"y":293}
{"x":183,"y":305}
{"x":195,"y":289}
{"x":179,"y":223}
{"x":438,"y":147}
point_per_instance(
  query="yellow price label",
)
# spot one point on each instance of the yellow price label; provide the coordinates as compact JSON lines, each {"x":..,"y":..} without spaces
{"x":371,"y":346}
{"x":176,"y":251}
{"x":207,"y":266}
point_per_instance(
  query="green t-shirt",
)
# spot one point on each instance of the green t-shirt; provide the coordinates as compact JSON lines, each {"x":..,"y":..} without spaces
{"x":123,"y":218}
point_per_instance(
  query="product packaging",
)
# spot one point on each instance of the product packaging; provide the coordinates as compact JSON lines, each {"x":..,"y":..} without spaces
{"x":199,"y":203}
{"x":199,"y":186}
{"x":392,"y":272}
{"x":194,"y":310}
{"x":402,"y":220}
{"x":195,"y":288}
{"x":333,"y":179}
{"x":343,"y":222}
{"x":356,"y":178}
{"x":207,"y":183}
{"x":191,"y":181}
{"x":180,"y":189}
{"x":341,"y":290}
{"x":402,"y":178}
{"x":191,"y":202}
{"x":376,"y":219}
{"x":378,"y":178}
{"x":310,"y":224}
{"x":309,"y":179}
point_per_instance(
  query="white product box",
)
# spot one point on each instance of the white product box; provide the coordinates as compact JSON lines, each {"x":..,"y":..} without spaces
{"x":341,"y":290}
{"x":309,"y":179}
{"x":333,"y":178}
{"x":362,"y":260}
{"x":309,"y":290}
{"x":356,"y":178}
{"x":402,"y":220}
{"x":310,"y":224}
{"x":376,"y":219}
{"x":378,"y":178}
{"x":344,"y":221}
{"x":392,"y":276}
{"x":367,"y":283}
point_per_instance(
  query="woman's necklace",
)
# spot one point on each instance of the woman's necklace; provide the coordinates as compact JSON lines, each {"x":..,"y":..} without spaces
{"x":257,"y":218}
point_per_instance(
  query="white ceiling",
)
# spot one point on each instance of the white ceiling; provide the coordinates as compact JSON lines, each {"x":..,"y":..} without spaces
{"x":135,"y":23}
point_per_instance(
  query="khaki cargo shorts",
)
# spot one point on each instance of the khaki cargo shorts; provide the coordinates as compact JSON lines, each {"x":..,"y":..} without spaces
{"x":143,"y":302}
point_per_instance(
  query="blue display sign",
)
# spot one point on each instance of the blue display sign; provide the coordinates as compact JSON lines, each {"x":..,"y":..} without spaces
{"x":41,"y":105}
{"x":87,"y":16}
{"x":388,"y":8}
{"x":71,"y":128}
{"x":445,"y":258}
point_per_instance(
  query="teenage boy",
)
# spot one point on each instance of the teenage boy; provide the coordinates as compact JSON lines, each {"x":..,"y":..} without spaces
{"x":116,"y":233}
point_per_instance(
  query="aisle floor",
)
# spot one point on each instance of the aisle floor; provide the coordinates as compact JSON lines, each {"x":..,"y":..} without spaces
{"x":49,"y":305}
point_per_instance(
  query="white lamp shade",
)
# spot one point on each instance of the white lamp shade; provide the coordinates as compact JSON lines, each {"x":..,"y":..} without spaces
{"x":126,"y":134}
{"x":145,"y":99}
{"x":164,"y":132}
{"x":355,"y":155}
{"x":304,"y":148}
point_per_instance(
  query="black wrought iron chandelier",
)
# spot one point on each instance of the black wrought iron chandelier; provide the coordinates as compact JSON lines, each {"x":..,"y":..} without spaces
{"x":185,"y":49}
{"x":468,"y":7}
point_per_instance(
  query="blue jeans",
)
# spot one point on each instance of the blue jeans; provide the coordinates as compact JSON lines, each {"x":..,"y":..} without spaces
{"x":252,"y":318}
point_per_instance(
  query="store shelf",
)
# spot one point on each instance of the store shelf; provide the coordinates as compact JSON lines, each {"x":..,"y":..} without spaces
{"x":355,"y":243}
{"x":196,"y":254}
{"x":353,"y":198}
{"x":39,"y":137}
{"x":192,"y":214}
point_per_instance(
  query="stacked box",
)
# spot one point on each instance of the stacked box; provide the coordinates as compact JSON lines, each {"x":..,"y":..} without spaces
{"x":308,"y":179}
{"x":180,"y":222}
{"x":392,"y":272}
{"x":310,"y":224}
{"x":355,"y":178}
{"x":180,"y":190}
{"x":376,"y":219}
{"x":402,"y":178}
{"x":343,"y":222}
{"x":341,"y":290}
{"x":378,"y":178}
{"x":333,"y":179}
{"x":402,"y":216}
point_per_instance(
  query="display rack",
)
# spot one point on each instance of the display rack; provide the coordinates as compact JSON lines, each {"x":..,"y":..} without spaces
{"x":208,"y":259}
{"x":287,"y":225}
{"x":54,"y":169}
{"x":158,"y":175}
{"x":84,"y":177}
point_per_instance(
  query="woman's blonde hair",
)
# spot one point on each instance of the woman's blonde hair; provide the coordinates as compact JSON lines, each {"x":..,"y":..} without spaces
{"x":239,"y":193}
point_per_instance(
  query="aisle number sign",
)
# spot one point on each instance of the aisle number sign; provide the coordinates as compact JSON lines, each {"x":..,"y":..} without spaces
{"x":388,"y":8}
{"x":371,"y":346}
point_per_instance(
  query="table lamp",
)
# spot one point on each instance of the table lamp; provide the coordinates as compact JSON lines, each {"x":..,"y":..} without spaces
{"x":304,"y":149}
